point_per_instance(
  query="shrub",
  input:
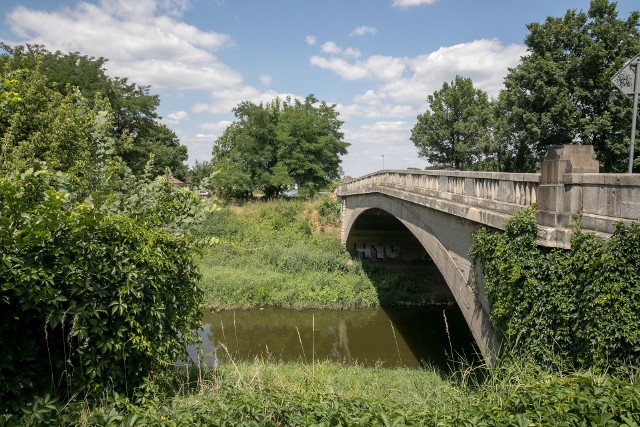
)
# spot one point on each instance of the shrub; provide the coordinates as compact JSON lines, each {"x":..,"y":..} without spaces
{"x":91,"y":298}
{"x":581,"y":304}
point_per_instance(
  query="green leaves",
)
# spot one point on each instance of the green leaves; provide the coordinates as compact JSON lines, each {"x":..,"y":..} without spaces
{"x":455,"y":130}
{"x":271,"y":147}
{"x":560,"y":92}
{"x":102,"y":293}
{"x":581,"y":304}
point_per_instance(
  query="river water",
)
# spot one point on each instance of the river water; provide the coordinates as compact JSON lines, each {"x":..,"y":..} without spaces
{"x":391,"y":336}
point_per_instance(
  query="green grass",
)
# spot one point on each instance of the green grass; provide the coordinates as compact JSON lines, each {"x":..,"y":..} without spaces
{"x":269,"y":393}
{"x":286,"y":254}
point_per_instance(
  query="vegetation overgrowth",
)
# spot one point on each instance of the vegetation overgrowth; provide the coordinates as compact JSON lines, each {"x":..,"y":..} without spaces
{"x":287,"y":253}
{"x":581,"y":304}
{"x":269,"y":393}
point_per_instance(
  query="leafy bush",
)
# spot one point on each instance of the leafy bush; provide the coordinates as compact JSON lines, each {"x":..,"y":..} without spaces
{"x":96,"y":292}
{"x":581,"y":304}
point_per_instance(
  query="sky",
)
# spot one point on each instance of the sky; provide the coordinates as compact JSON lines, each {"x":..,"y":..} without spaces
{"x":376,"y":60}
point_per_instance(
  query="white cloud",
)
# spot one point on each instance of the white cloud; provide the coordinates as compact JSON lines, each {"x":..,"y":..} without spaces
{"x":362,"y":30}
{"x":224,"y":101}
{"x":176,"y":117}
{"x":142,"y":40}
{"x":406,"y":82}
{"x":333,"y":49}
{"x":266,"y":79}
{"x":376,"y":66}
{"x":410,"y":3}
{"x":217,"y":128}
{"x":311,"y":40}
{"x":370,"y":142}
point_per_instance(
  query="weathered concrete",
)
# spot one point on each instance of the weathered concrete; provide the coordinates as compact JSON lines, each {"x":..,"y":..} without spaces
{"x":443,"y":208}
{"x":446,"y":240}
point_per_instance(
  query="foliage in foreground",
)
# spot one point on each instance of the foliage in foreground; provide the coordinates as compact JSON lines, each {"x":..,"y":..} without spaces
{"x":582,"y":304}
{"x":326,"y":394}
{"x":284,"y":253}
{"x":97,"y":290}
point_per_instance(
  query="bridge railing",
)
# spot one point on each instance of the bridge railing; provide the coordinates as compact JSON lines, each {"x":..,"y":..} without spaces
{"x":499,"y":192}
{"x":567,"y":187}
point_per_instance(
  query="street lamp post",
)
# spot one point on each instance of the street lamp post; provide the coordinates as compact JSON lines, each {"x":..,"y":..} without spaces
{"x":382,"y":162}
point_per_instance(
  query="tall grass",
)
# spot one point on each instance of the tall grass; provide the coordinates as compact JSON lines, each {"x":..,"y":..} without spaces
{"x":271,"y":393}
{"x":285,"y":253}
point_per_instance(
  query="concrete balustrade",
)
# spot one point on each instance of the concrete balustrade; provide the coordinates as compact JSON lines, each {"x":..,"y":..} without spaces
{"x":568,"y":187}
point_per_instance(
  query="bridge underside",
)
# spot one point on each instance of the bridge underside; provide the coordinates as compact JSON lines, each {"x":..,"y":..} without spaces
{"x":380,"y":227}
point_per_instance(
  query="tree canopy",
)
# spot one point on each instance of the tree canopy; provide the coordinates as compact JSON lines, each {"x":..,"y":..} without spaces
{"x":273,"y":146}
{"x":65,"y":75}
{"x":561,"y":92}
{"x":455,"y":130}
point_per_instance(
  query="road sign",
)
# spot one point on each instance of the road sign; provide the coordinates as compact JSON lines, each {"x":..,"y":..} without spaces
{"x":628,"y":81}
{"x":624,"y":78}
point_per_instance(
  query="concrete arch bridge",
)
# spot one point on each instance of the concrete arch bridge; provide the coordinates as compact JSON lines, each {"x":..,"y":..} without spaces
{"x":405,"y":214}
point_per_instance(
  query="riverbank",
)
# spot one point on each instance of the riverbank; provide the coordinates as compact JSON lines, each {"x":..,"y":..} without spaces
{"x":326,"y":394}
{"x":288,"y":254}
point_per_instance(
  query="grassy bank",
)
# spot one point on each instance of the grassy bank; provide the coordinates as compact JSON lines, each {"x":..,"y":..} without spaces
{"x":326,"y":394}
{"x":287,"y":253}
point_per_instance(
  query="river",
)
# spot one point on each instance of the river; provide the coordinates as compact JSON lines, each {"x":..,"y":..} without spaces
{"x":390,"y":336}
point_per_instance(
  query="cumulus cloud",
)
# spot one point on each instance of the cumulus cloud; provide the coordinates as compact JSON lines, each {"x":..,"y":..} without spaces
{"x":405,"y":82}
{"x":409,"y":3}
{"x":266,"y":79}
{"x":369,"y":142}
{"x":143,"y":41}
{"x":224,"y":101}
{"x":311,"y":40}
{"x":217,"y":127}
{"x":334,"y":49}
{"x":363,"y":30}
{"x":176,"y":117}
{"x":376,"y":66}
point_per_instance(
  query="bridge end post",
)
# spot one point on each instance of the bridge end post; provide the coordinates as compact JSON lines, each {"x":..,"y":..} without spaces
{"x":558,"y":201}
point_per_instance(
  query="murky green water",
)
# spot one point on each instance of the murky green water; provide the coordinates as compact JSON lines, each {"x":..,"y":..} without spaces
{"x":392,"y":336}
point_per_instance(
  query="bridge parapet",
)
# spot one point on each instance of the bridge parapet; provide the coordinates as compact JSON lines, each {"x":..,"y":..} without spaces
{"x":503,"y":192}
{"x":569,"y":186}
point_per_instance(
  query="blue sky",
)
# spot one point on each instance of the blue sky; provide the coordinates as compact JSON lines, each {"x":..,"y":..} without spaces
{"x":377,"y":60}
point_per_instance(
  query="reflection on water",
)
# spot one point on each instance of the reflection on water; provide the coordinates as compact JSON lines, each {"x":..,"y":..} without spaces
{"x":392,"y":336}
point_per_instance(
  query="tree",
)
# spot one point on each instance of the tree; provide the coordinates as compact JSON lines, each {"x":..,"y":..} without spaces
{"x":39,"y":123}
{"x":199,"y":174}
{"x":275,"y":145}
{"x":561,"y":93}
{"x":161,"y":142}
{"x":456,"y":129}
{"x":134,"y":108}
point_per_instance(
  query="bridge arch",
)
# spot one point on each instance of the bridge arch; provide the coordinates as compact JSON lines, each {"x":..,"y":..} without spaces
{"x":445,"y":238}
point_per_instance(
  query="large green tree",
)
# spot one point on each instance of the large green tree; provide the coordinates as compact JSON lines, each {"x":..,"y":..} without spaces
{"x":561,"y":93}
{"x":274,"y":145}
{"x":134,"y":108}
{"x":39,"y":123}
{"x":456,"y":129}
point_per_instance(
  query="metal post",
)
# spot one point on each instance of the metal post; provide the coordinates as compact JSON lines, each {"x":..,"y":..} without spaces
{"x":636,"y":90}
{"x":383,"y":162}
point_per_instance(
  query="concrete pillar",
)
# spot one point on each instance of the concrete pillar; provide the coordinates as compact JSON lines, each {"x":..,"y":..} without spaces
{"x":558,"y":202}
